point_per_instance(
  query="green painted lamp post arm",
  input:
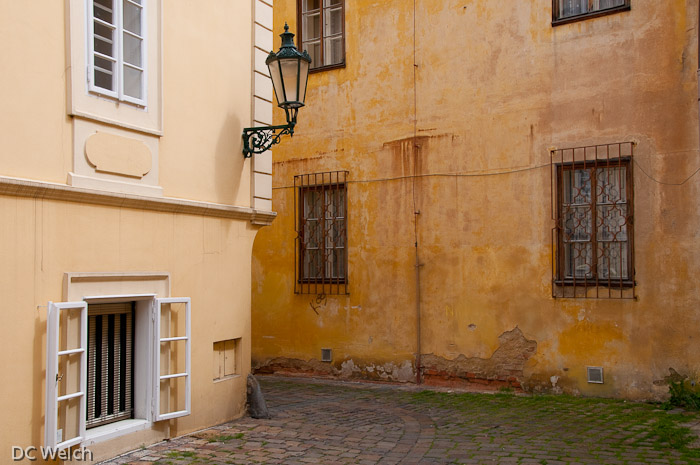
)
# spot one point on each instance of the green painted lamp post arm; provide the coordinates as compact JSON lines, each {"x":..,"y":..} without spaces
{"x":260,"y":139}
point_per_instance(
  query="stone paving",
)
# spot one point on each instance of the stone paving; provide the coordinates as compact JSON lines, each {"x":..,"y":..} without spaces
{"x":329,"y":422}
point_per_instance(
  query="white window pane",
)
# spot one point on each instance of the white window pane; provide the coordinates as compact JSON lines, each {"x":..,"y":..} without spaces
{"x":132,"y":17}
{"x":612,"y":223}
{"x":577,"y":187}
{"x":103,"y":9}
{"x":612,"y":260}
{"x":104,"y":40}
{"x":314,"y":50}
{"x":333,"y":50}
{"x":104,"y":80}
{"x":132,"y":50}
{"x":311,"y":26}
{"x":308,"y":5}
{"x":611,"y":185}
{"x":333,"y":22}
{"x":132,"y":82}
{"x":104,"y":65}
{"x":605,"y":4}
{"x":332,"y":2}
{"x":572,"y":7}
{"x":577,"y":260}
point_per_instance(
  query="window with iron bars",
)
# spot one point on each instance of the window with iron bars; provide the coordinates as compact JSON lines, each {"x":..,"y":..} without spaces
{"x":110,"y":363}
{"x":321,"y":226}
{"x":593,"y":210}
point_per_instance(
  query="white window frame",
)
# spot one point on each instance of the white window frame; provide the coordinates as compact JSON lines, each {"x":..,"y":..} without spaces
{"x":52,"y":376}
{"x":150,"y":331}
{"x":157,"y":340}
{"x":119,"y":63}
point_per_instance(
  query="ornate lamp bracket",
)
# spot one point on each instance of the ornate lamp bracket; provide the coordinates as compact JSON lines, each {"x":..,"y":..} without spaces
{"x":260,"y":139}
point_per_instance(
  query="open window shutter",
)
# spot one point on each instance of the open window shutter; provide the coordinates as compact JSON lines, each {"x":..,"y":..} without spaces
{"x":163,"y":354}
{"x":72,"y":415}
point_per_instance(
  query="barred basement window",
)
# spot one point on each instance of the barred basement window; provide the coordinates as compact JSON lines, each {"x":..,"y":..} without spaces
{"x":110,"y":363}
{"x":593,"y":235}
{"x":566,"y":11}
{"x":321,"y":262}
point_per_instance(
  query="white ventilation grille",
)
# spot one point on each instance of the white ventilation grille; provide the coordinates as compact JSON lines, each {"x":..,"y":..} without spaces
{"x":595,"y":375}
{"x":326,"y":355}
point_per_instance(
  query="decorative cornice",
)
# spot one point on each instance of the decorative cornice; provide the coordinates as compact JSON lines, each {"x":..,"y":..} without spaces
{"x":52,"y":191}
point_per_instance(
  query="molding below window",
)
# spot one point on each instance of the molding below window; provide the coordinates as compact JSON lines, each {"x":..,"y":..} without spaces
{"x":52,"y":191}
{"x":121,"y":124}
{"x":114,"y":430}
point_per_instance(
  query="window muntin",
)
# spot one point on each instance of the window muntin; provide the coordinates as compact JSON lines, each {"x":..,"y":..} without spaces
{"x":572,"y":10}
{"x":117,"y":45}
{"x":321,"y":208}
{"x":322,"y":31}
{"x":593,"y":214}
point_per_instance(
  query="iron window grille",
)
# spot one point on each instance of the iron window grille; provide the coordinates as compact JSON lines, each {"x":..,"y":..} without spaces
{"x":322,"y":32}
{"x":110,"y":363}
{"x":593,"y":236}
{"x":567,"y":11}
{"x":321,"y":253}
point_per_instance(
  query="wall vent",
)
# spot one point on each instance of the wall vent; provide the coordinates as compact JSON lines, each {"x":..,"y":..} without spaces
{"x":595,"y":375}
{"x":326,"y":355}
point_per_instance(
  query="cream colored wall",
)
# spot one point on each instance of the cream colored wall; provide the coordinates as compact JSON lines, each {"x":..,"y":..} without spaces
{"x":206,"y":101}
{"x":207,"y":258}
{"x":206,"y":89}
{"x":495,"y":89}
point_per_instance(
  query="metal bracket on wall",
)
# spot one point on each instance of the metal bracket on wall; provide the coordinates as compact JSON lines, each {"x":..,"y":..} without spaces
{"x":260,"y":139}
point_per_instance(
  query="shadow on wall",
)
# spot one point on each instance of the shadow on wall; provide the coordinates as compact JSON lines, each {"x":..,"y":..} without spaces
{"x":229,"y":164}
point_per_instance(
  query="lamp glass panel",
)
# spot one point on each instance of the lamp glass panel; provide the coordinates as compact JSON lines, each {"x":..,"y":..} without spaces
{"x":274,"y":68}
{"x":303,"y":77}
{"x":289,"y":68}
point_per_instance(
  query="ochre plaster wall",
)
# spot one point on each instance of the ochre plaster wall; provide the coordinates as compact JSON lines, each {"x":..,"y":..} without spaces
{"x":488,"y":91}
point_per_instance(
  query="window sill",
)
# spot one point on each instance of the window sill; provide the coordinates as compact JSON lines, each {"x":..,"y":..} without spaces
{"x":326,"y":68}
{"x":585,"y":16}
{"x":226,"y":378}
{"x":612,"y":283}
{"x":113,"y":430}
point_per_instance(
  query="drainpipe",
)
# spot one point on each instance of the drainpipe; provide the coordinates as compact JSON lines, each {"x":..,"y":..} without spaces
{"x":418,"y":329}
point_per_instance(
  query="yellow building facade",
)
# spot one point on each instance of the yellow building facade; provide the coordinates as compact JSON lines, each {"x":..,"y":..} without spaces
{"x":128,"y":219}
{"x":486,"y":195}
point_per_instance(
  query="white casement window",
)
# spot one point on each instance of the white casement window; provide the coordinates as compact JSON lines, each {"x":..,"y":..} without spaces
{"x":115,"y":366}
{"x":172,"y":356}
{"x":117,"y":49}
{"x":66,"y":370}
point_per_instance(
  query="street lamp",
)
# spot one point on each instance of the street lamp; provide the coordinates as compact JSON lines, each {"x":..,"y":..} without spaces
{"x":289,"y":70}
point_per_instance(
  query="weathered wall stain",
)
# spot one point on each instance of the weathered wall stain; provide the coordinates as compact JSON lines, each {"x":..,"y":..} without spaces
{"x":505,"y":366}
{"x":347,"y":369}
{"x":489,"y":90}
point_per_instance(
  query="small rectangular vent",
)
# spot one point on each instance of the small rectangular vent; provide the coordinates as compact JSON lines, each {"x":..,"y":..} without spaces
{"x":595,"y":375}
{"x":326,"y":355}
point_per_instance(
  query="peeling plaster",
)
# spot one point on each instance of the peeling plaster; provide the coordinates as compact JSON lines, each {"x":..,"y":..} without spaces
{"x":505,"y":364}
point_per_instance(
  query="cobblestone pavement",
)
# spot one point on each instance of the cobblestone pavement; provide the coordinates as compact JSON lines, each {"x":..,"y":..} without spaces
{"x":329,"y":423}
